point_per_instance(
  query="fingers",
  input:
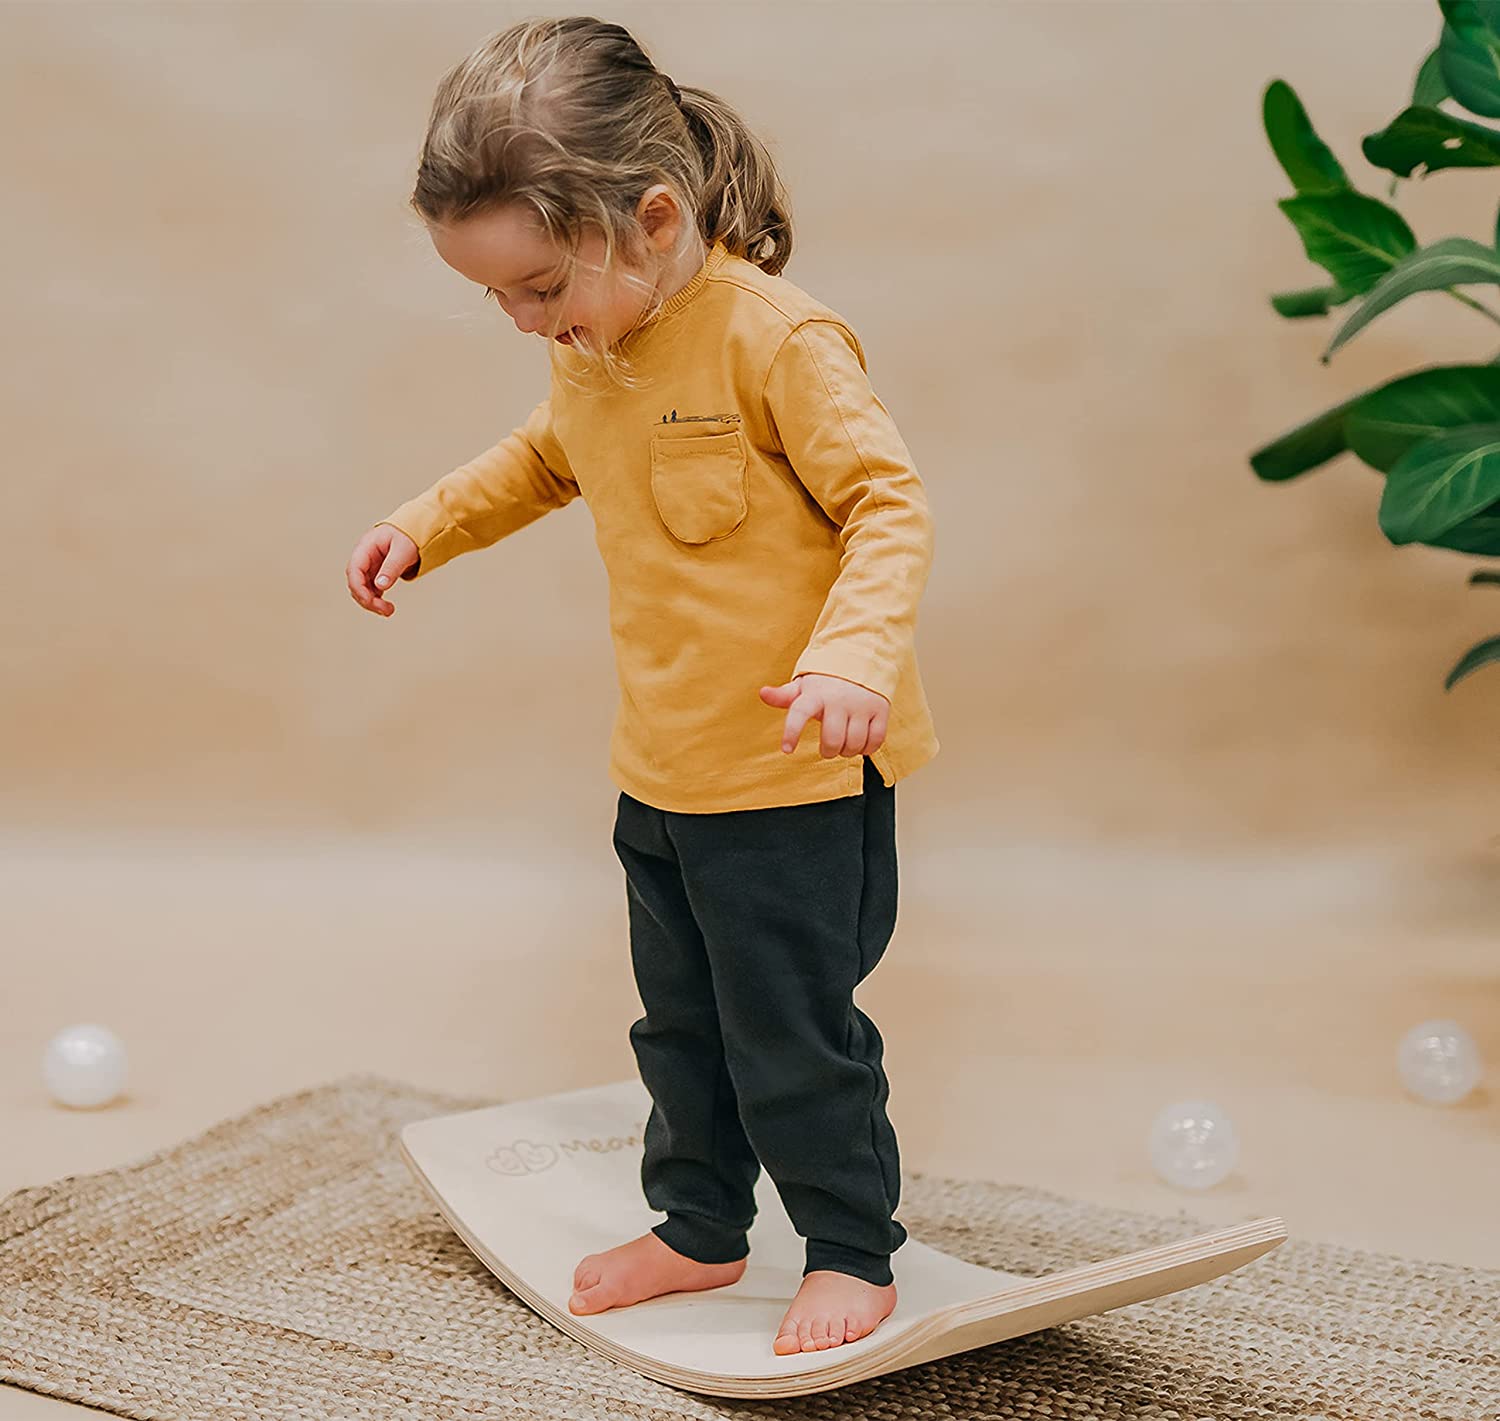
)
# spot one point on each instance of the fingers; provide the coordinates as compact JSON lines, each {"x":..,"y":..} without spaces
{"x":841,"y":734}
{"x":396,"y":562}
{"x":359,"y":574}
{"x":856,"y":736}
{"x":861,"y":737}
{"x":802,"y":710}
{"x":835,"y":724}
{"x":845,"y":731}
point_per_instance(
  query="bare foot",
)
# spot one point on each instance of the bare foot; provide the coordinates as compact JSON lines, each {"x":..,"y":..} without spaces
{"x":832,"y":1308}
{"x":643,"y":1268}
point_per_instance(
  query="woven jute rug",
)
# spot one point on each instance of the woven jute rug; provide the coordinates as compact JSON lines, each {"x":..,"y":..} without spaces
{"x":285,"y":1264}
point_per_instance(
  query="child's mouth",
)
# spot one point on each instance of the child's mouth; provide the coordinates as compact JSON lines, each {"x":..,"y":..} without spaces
{"x":567,"y":336}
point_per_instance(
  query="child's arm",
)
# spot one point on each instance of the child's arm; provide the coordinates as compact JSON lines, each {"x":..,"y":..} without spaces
{"x":511,"y":484}
{"x":845,"y":448}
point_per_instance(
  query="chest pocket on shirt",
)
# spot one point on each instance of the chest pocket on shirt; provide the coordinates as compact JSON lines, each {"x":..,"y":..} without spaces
{"x":698,"y":483}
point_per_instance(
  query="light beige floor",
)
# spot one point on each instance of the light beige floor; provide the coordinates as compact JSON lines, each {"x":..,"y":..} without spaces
{"x":1039,"y":1004}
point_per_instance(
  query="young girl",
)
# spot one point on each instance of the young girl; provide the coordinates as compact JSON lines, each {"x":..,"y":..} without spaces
{"x":766,"y":540}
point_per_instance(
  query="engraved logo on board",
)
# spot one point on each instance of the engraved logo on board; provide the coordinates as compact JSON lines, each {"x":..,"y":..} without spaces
{"x":521,"y":1157}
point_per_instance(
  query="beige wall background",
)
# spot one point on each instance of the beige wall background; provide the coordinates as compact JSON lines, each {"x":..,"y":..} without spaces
{"x":230,"y":349}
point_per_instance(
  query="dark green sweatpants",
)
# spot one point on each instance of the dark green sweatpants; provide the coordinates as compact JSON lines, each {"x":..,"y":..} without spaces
{"x":748,"y":933}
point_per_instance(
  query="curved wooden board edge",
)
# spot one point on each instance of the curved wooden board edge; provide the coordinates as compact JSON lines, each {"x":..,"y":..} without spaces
{"x":1046,"y":1301}
{"x":1057,"y":1298}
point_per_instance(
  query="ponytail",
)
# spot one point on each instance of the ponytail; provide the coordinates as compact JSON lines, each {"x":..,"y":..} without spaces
{"x":743,"y":202}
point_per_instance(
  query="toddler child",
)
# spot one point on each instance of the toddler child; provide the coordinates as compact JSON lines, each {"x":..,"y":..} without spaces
{"x":766,"y":541}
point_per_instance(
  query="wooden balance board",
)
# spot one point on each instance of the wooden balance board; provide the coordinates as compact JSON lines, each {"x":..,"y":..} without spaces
{"x":532,"y":1187}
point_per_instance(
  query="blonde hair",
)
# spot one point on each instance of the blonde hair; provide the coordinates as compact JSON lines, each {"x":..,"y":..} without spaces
{"x":571,"y":119}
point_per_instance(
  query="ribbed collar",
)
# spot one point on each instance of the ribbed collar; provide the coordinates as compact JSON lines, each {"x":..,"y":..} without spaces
{"x":716,"y":258}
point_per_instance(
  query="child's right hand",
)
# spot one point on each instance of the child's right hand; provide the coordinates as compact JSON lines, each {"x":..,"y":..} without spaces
{"x":378,"y":559}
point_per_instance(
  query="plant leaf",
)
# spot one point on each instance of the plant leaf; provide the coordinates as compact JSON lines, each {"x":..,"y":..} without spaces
{"x":1385,"y":422}
{"x":1382,"y":423}
{"x":1430,"y":88}
{"x":1455,"y":261}
{"x":1354,"y":238}
{"x":1311,"y":443}
{"x":1440,"y":482}
{"x":1479,"y":535}
{"x":1310,"y":301}
{"x":1476,"y":656}
{"x":1430,"y":139}
{"x":1304,"y":157}
{"x":1469,"y":52}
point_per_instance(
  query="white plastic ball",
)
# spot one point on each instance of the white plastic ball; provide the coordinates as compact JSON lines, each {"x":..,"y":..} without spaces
{"x":1192,"y":1144}
{"x":85,"y":1065}
{"x":1438,"y":1062}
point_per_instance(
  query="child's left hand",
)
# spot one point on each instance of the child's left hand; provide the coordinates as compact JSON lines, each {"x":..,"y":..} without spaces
{"x":853,"y":718}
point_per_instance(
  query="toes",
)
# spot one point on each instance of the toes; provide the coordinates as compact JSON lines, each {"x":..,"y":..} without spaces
{"x":829,"y":1331}
{"x":787,"y":1339}
{"x":586,"y":1275}
{"x":595,"y":1298}
{"x":818,"y":1332}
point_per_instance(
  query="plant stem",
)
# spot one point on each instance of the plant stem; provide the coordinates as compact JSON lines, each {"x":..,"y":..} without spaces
{"x":1477,"y":305}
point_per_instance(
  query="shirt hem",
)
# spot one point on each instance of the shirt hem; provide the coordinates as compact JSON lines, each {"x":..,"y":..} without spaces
{"x":809,"y":784}
{"x":801,"y":784}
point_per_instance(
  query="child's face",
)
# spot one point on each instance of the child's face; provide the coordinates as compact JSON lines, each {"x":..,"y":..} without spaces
{"x":506,"y":251}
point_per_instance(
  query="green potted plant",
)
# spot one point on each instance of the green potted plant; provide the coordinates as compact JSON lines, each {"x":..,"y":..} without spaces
{"x":1433,"y":432}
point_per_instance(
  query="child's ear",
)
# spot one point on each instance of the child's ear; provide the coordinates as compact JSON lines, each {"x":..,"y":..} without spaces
{"x":660,"y":217}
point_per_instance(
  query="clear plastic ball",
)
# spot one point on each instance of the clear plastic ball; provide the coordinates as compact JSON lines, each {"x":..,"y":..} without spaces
{"x":1438,"y":1062}
{"x":85,"y":1065}
{"x":1192,"y":1144}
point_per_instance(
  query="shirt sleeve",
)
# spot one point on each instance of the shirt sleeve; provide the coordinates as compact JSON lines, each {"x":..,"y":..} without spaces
{"x":511,"y":484}
{"x":844,"y":447}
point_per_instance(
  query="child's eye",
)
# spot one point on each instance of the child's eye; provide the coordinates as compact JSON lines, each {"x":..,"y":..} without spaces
{"x":540,"y":295}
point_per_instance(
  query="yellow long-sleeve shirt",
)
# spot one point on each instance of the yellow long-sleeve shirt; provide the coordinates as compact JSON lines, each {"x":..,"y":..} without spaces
{"x":758,"y":515}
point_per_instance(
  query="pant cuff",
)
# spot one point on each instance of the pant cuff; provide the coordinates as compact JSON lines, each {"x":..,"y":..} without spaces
{"x":702,"y":1239}
{"x":840,"y":1258}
